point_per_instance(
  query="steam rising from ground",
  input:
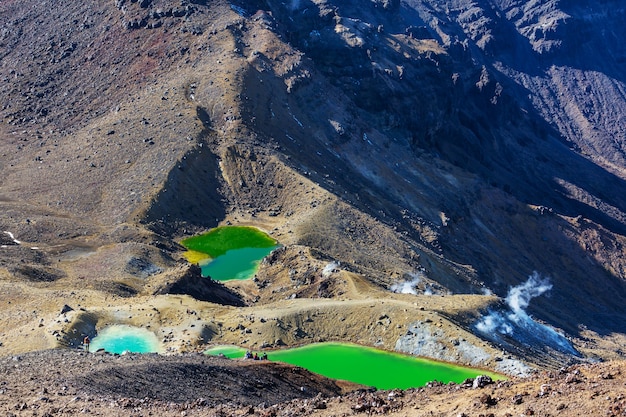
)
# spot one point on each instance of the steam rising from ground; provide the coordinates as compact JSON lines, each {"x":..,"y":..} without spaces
{"x":517,"y":324}
{"x":330,"y":268}
{"x":410,"y":286}
{"x":519,"y":297}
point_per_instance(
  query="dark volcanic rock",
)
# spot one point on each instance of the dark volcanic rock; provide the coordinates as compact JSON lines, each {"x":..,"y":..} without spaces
{"x":37,"y":273}
{"x":6,"y":240}
{"x":196,"y":377}
{"x":132,"y":380}
{"x":204,"y":289}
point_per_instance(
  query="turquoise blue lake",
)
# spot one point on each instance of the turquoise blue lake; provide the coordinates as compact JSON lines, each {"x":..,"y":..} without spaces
{"x":122,"y":338}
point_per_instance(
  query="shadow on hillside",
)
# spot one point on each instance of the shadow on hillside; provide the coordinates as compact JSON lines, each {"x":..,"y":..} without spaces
{"x":190,"y":197}
{"x":192,"y":283}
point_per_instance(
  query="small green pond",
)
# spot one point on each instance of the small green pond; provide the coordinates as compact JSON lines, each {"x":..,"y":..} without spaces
{"x":229,"y":252}
{"x":365,"y":365}
{"x":123,"y":338}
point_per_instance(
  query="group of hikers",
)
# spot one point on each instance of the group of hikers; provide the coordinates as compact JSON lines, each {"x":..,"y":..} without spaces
{"x":255,"y":356}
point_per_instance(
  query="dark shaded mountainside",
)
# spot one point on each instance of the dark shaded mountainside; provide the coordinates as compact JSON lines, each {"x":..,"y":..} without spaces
{"x":456,"y":146}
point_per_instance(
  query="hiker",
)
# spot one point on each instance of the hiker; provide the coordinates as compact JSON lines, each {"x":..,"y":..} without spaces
{"x":248,"y":355}
{"x":264,"y":356}
{"x":256,"y":356}
{"x":86,"y":342}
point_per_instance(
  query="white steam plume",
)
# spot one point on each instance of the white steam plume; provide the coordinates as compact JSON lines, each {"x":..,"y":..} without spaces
{"x":330,"y":268}
{"x":516,"y":323}
{"x":519,"y":297}
{"x":409,"y":286}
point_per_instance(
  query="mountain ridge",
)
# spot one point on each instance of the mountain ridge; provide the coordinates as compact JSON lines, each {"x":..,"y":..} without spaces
{"x":446,"y":146}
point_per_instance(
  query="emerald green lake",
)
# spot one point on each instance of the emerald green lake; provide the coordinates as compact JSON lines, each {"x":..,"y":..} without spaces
{"x":122,"y":338}
{"x":364,"y":365}
{"x":235,"y":264}
{"x":229,"y":252}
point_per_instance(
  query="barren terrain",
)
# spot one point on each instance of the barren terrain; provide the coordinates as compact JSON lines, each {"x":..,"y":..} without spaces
{"x":446,"y":179}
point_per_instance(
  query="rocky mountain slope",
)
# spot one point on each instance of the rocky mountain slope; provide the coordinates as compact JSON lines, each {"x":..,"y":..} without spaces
{"x":455,"y":166}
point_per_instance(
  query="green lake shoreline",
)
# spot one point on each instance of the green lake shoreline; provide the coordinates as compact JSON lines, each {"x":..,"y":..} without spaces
{"x":229,"y":252}
{"x":365,"y":365}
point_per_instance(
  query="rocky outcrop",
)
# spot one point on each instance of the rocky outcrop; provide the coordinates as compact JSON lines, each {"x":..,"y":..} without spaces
{"x":189,"y":281}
